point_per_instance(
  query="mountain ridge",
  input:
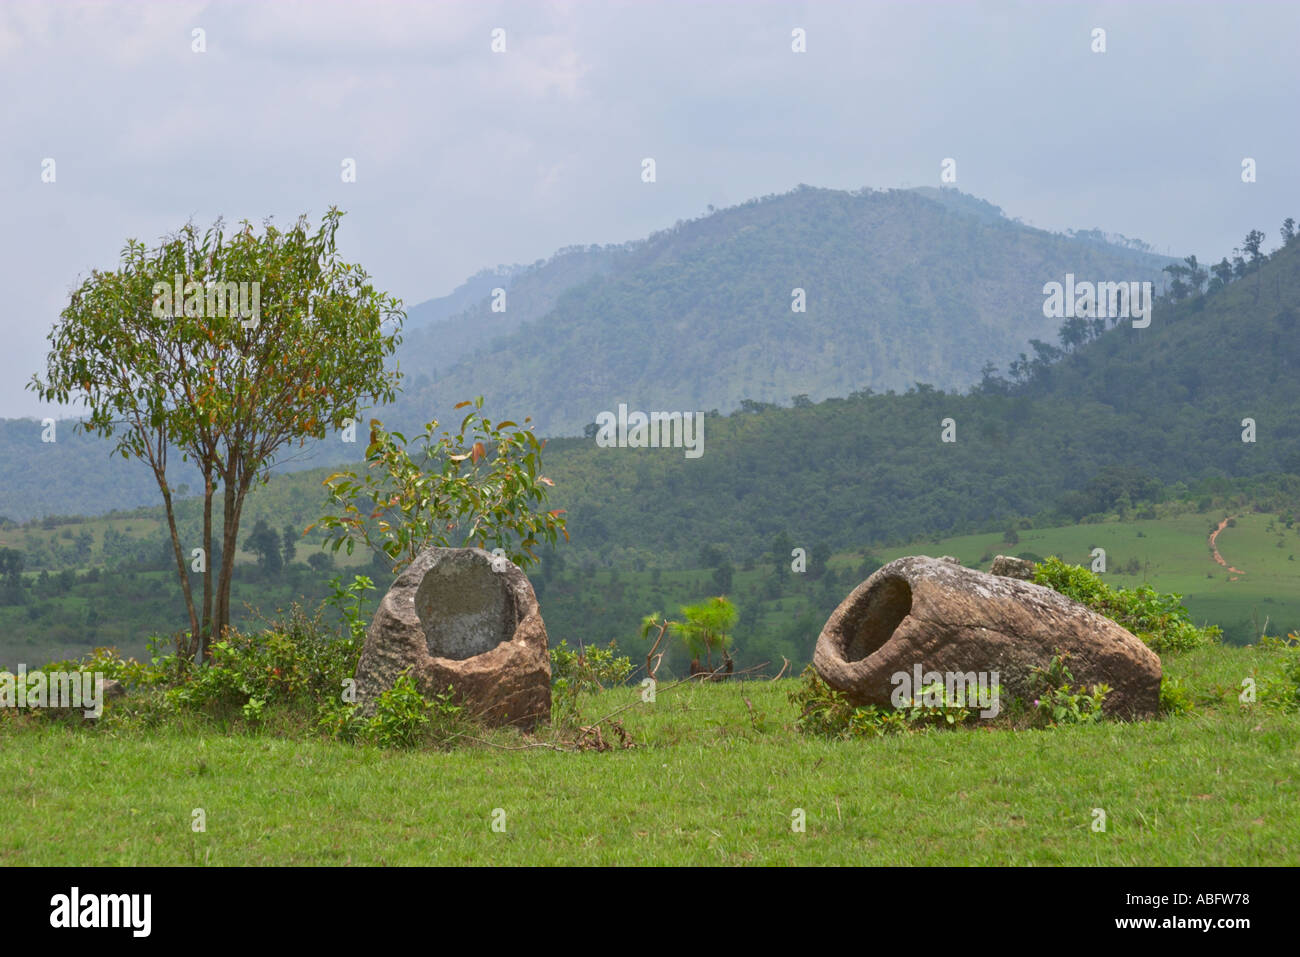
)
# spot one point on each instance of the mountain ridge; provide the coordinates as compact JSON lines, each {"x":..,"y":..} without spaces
{"x":898,"y":287}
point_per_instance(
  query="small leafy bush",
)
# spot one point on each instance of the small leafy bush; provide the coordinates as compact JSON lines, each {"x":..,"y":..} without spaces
{"x":336,"y":718}
{"x":586,"y":670}
{"x":401,"y":715}
{"x":110,"y":663}
{"x":1175,"y":697}
{"x":1278,"y":688}
{"x":483,"y":486}
{"x":825,"y":712}
{"x":296,"y":661}
{"x":1057,"y":702}
{"x":253,"y":711}
{"x":1292,"y":674}
{"x":933,"y":707}
{"x":591,"y":668}
{"x":1159,"y":620}
{"x":348,"y":600}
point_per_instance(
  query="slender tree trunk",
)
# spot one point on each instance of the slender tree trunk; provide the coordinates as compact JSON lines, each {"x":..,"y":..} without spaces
{"x":209,"y":488}
{"x":234,"y":506}
{"x":180,"y":561}
{"x":649,"y":668}
{"x":229,"y":533}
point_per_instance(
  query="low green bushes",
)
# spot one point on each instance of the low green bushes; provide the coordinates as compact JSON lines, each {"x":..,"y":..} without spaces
{"x":1159,"y":620}
{"x":292,"y":677}
{"x":1054,"y":700}
{"x":586,"y":670}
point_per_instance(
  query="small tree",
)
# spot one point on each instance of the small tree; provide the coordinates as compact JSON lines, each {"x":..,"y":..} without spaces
{"x":482,"y":486}
{"x":266,"y":545}
{"x":704,"y":629}
{"x":11,"y":566}
{"x":289,"y":545}
{"x":319,"y":561}
{"x":1252,"y":246}
{"x":1222,"y":274}
{"x":660,"y":626}
{"x":707,"y":629}
{"x":164,"y":361}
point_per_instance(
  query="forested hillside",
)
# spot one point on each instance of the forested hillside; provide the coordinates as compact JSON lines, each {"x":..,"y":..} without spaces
{"x":899,"y":286}
{"x":1158,"y":407}
{"x":441,"y":332}
{"x":1167,"y":402}
{"x":465,"y":296}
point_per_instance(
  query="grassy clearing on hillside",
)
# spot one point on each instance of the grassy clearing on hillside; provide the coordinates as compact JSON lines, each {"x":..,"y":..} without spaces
{"x":708,"y":782}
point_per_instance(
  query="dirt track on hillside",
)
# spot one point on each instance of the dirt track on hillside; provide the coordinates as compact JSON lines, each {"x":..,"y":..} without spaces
{"x":1214,"y":535}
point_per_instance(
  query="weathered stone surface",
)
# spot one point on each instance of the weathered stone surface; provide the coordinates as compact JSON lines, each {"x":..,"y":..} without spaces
{"x":947,"y":618}
{"x":1010,"y":567}
{"x":463,"y":618}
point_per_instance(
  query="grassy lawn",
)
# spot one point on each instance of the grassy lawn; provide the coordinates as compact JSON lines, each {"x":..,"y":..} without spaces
{"x":706,"y":783}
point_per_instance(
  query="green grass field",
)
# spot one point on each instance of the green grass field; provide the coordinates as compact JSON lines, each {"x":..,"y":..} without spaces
{"x":707,"y":783}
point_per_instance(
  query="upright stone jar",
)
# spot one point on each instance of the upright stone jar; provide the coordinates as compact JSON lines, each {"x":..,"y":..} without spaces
{"x":465,"y":619}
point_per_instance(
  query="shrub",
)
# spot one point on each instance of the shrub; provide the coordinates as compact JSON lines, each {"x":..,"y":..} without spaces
{"x":338,"y":719}
{"x":110,"y":663}
{"x":253,"y":711}
{"x":1057,"y":702}
{"x":932,"y":707}
{"x":1175,"y":698}
{"x":588,"y":670}
{"x":1159,"y":620}
{"x":294,"y":661}
{"x":1279,"y":688}
{"x":825,"y":712}
{"x":401,"y":715}
{"x":348,"y":600}
{"x":483,"y":485}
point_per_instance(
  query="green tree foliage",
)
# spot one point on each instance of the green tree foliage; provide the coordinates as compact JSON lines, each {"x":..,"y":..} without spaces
{"x":705,"y":628}
{"x":289,"y":544}
{"x":229,"y":390}
{"x":482,"y":486}
{"x":266,"y":544}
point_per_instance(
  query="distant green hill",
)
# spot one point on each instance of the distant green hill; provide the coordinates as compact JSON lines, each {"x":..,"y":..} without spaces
{"x":441,"y":332}
{"x":1162,"y":405}
{"x":432,"y":312}
{"x":900,"y":286}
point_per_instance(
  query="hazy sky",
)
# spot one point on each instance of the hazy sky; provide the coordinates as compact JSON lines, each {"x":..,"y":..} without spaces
{"x":468,"y":158}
